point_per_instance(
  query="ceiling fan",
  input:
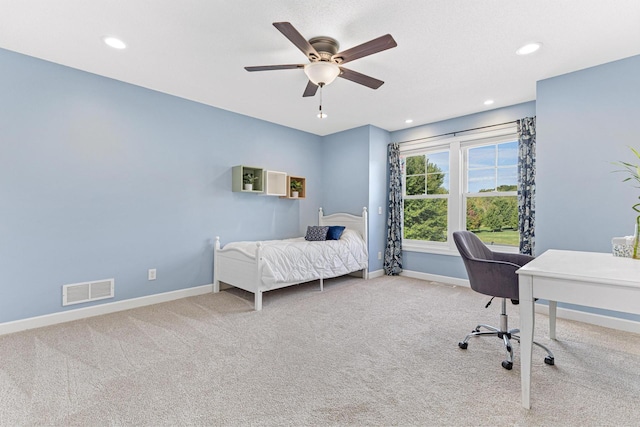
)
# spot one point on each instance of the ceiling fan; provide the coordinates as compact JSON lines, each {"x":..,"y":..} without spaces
{"x":325,"y":62}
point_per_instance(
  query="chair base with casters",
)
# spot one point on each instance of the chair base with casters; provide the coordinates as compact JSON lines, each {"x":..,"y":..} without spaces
{"x":505,"y":334}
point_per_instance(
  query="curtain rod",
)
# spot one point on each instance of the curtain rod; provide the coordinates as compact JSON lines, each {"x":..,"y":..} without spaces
{"x":459,"y":131}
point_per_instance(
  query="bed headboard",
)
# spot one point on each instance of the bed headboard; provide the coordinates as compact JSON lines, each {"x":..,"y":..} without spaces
{"x":352,"y":222}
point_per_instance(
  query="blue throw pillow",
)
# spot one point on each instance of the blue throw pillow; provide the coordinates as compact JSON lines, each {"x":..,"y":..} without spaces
{"x":335,"y":231}
{"x":316,"y":233}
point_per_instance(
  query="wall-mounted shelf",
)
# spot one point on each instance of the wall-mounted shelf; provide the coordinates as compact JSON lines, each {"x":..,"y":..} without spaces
{"x":238,"y":175}
{"x":269,"y":183}
{"x":302,"y":192}
{"x":275,"y":183}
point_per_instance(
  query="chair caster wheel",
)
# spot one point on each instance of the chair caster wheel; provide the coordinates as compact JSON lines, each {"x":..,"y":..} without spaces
{"x":549,"y":360}
{"x":463,"y":345}
{"x":507,"y":365}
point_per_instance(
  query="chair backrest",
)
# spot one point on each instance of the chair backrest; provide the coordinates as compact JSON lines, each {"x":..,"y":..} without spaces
{"x":486,"y":275}
{"x":470,"y":246}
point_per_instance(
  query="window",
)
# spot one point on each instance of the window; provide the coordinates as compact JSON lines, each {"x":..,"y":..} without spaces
{"x":461,"y":183}
{"x":426,"y":197}
{"x":490,"y":197}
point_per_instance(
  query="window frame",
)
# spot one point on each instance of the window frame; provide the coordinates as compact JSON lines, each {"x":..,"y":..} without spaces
{"x":458,"y":146}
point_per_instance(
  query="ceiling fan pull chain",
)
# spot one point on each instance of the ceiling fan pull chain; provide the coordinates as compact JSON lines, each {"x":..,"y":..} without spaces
{"x":321,"y":115}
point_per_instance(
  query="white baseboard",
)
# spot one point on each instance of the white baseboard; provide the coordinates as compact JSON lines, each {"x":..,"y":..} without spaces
{"x":96,"y":310}
{"x":377,"y":273}
{"x":82,"y":313}
{"x":592,"y":318}
{"x":436,"y":278}
{"x":561,"y":313}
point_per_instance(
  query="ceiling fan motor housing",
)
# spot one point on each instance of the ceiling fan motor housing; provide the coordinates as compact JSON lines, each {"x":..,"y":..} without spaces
{"x":325,"y":46}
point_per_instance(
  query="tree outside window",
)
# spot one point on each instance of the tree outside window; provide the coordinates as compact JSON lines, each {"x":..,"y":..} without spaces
{"x":426,"y":197}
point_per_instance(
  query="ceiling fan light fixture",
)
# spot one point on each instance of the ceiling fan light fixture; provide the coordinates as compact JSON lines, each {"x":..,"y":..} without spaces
{"x":322,"y":73}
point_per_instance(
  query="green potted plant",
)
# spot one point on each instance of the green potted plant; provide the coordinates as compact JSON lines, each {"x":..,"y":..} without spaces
{"x":248,"y":179}
{"x":296,"y":187}
{"x":634,"y":175}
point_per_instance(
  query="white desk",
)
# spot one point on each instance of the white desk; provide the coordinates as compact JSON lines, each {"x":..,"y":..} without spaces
{"x":583,"y":278}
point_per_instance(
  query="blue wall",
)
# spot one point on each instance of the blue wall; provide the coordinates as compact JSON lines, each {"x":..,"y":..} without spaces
{"x":345,"y":166}
{"x":586,"y":120}
{"x":355,"y":176}
{"x":379,"y":140}
{"x":101,"y":179}
{"x":447,"y":265}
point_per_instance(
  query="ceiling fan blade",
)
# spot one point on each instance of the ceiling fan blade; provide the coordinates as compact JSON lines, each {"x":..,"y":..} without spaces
{"x":297,"y":39}
{"x":311,"y":89}
{"x":360,"y":78}
{"x":274,"y":67}
{"x":365,"y":49}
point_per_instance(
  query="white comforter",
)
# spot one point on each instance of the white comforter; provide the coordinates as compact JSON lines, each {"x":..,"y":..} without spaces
{"x":298,"y":260}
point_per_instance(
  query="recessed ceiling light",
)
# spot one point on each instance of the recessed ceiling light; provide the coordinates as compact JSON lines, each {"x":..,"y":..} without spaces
{"x":529,"y":48}
{"x":408,"y":121}
{"x":114,"y":42}
{"x":488,"y":102}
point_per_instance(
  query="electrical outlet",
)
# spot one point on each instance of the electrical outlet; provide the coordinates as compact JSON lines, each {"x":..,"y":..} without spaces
{"x":379,"y":255}
{"x":379,"y":210}
{"x":152,"y":274}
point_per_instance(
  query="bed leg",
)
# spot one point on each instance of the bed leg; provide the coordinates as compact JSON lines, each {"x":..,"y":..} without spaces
{"x":321,"y":284}
{"x":258,"y":301}
{"x":216,"y":282}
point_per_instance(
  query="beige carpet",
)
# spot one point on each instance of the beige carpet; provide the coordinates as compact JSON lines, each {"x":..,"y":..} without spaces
{"x":377,"y":352}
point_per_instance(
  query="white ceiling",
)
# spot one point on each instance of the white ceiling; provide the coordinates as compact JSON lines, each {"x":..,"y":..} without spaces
{"x":452,"y":55}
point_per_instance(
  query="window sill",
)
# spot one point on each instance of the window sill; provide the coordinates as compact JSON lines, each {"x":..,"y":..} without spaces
{"x":438,"y":250}
{"x":450,"y":251}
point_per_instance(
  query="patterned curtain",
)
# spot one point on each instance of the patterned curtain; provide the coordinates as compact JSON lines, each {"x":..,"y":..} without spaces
{"x":527,"y":184}
{"x":393,"y":251}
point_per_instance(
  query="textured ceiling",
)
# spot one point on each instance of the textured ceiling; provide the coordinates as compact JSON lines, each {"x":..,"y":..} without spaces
{"x":452,"y":55}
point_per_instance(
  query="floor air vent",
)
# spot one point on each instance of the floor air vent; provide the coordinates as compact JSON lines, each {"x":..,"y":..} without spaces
{"x":87,"y":291}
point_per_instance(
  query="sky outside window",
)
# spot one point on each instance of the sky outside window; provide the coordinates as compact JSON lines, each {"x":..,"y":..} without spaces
{"x":492,"y":166}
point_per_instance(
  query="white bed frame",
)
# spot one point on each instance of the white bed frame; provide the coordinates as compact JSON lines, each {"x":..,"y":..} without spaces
{"x":235,"y":268}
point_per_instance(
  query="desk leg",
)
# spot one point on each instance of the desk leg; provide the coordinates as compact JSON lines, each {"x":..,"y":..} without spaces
{"x":527,"y":321}
{"x":553,"y":306}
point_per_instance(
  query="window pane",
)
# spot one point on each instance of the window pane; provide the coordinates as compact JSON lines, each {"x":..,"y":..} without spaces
{"x":425,"y":219}
{"x":508,"y":154}
{"x":415,"y":165}
{"x":494,"y":219}
{"x":508,"y":179}
{"x":415,"y":185}
{"x":439,"y":160}
{"x":481,"y":180}
{"x":481,"y":157}
{"x":437,"y":183}
{"x":437,"y":176}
